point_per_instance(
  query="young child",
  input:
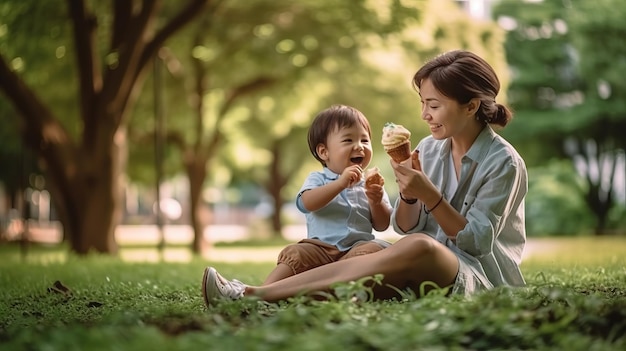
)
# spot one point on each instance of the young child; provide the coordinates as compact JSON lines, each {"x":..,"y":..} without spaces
{"x":340,"y":206}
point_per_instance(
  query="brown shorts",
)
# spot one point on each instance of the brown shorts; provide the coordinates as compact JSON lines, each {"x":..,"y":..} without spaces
{"x":311,"y":253}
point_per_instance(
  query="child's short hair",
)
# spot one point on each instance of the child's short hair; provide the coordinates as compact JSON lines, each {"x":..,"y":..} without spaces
{"x":334,"y":117}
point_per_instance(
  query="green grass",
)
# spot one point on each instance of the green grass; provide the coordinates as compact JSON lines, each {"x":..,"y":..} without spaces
{"x":575,"y":300}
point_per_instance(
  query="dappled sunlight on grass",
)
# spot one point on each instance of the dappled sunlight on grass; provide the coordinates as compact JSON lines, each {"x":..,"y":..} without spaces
{"x":37,"y":254}
{"x":50,"y":299}
{"x":561,"y":252}
{"x":154,"y":255}
{"x":577,"y":251}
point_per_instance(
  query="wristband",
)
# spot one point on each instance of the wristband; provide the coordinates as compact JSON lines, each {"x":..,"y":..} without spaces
{"x":434,"y":207}
{"x":410,"y":202}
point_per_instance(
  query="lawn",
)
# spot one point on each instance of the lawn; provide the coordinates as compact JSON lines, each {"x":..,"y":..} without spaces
{"x":575,"y":300}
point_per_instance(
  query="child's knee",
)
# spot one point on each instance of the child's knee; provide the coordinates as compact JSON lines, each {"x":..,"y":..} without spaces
{"x":300,"y":257}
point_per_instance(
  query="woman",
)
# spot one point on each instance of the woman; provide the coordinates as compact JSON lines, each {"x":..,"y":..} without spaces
{"x":461,"y":203}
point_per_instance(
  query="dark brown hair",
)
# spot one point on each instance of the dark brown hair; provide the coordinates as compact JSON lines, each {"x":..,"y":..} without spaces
{"x":334,"y":117}
{"x":462,"y":76}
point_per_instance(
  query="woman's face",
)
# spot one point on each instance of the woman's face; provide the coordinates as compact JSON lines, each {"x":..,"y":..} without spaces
{"x":445,"y":116}
{"x":345,"y":147}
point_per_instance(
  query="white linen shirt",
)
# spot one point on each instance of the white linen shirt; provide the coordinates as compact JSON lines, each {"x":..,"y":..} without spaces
{"x":490,"y":195}
{"x":345,"y":220}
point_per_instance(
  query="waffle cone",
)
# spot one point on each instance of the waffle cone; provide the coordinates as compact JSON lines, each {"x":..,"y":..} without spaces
{"x":372,"y":176}
{"x":400,"y":152}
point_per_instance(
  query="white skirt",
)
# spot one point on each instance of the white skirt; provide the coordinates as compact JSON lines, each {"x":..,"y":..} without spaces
{"x":470,"y":277}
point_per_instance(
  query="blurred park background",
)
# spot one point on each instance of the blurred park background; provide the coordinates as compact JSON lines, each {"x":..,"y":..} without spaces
{"x":184,"y":122}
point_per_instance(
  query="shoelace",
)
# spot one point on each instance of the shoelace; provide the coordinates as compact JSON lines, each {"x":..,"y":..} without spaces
{"x":235,"y":288}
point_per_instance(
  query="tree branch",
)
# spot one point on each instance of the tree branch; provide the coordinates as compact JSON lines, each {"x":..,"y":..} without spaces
{"x":248,"y":88}
{"x":200,"y":80}
{"x":134,"y":58}
{"x":176,"y":139}
{"x":88,"y":65}
{"x":128,"y":44}
{"x":193,"y":8}
{"x":40,"y":128}
{"x":252,"y":86}
{"x":122,"y":10}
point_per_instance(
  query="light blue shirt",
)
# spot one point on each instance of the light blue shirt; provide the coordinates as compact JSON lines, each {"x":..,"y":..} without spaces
{"x":345,"y":220}
{"x":490,"y":195}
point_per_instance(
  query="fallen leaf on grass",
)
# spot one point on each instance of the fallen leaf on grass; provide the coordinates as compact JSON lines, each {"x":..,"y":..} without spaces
{"x":59,"y":288}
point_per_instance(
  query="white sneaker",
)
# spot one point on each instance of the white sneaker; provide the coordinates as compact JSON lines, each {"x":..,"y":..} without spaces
{"x":216,"y":287}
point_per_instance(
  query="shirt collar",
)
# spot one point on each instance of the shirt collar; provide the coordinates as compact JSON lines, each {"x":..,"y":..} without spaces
{"x":330,"y":174}
{"x":479,"y":148}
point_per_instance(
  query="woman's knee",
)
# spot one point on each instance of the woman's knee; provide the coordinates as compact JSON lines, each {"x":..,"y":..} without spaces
{"x":417,"y":252}
{"x":425,"y":259}
{"x":416,"y":246}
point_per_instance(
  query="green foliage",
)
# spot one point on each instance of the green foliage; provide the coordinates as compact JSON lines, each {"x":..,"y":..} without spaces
{"x":595,"y":29}
{"x":544,"y":79}
{"x":300,"y":50}
{"x":554,"y":205}
{"x":566,"y":57}
{"x":40,"y":50}
{"x":617,"y":219}
{"x":319,"y":53}
{"x":575,"y":300}
{"x":17,"y":162}
{"x":35,"y":37}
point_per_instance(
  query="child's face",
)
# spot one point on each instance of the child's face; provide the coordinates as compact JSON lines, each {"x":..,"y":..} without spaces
{"x":345,"y":147}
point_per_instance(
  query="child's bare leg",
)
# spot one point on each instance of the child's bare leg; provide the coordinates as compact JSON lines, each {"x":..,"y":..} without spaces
{"x":280,"y":272}
{"x":406,"y":264}
{"x":301,"y":256}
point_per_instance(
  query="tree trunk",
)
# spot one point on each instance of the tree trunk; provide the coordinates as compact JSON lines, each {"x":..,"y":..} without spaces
{"x":276,"y":182}
{"x":600,"y":160}
{"x":196,"y":172}
{"x":88,"y":200}
{"x":277,"y":223}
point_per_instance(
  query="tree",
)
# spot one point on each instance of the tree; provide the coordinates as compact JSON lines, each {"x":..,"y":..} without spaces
{"x":598,"y":147}
{"x":240,"y":52}
{"x":566,"y":91}
{"x":84,"y":171}
{"x":544,"y":80}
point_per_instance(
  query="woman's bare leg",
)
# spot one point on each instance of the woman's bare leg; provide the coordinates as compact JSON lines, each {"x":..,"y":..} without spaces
{"x":280,"y":272}
{"x":406,"y":264}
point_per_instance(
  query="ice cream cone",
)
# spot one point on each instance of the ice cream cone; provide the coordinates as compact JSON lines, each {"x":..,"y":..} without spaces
{"x":372,"y":176}
{"x":396,"y":140}
{"x":401,"y":152}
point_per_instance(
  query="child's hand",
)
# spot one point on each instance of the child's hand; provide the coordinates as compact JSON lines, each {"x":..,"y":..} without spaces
{"x":351,"y":175}
{"x":374,"y":182}
{"x":374,"y":193}
{"x":373,"y":176}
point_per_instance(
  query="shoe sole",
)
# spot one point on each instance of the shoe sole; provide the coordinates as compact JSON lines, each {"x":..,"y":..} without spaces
{"x":204,"y":281}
